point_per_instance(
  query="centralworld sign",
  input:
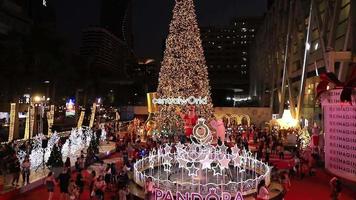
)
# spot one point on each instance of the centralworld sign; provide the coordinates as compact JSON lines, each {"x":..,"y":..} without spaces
{"x":181,"y":101}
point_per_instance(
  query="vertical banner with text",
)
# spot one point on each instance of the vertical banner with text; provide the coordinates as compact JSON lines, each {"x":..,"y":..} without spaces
{"x":340,"y":134}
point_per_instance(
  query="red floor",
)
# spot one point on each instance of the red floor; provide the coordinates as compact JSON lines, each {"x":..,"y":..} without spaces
{"x":310,"y":188}
{"x":316,"y":188}
{"x":42,"y":194}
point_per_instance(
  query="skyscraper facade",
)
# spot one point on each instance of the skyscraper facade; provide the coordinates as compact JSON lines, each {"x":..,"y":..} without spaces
{"x":227,"y":55}
{"x":116,"y":17}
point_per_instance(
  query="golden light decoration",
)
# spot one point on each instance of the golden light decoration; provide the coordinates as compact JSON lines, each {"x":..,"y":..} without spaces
{"x":12,"y":121}
{"x":287,"y":121}
{"x":183,"y":72}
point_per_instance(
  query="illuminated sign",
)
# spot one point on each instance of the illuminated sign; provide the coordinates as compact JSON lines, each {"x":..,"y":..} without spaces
{"x":181,"y":101}
{"x":167,"y":195}
{"x":70,"y":108}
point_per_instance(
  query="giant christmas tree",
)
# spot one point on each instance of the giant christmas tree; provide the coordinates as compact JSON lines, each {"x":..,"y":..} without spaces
{"x":183,"y":71}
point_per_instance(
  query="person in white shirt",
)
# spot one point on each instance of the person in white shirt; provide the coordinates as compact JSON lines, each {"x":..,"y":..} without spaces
{"x":262,"y":191}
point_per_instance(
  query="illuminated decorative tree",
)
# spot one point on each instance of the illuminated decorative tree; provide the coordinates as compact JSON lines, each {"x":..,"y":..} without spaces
{"x":183,"y":72}
{"x":55,"y":159}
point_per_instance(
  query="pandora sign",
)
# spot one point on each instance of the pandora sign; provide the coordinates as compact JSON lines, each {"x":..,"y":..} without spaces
{"x":167,"y":195}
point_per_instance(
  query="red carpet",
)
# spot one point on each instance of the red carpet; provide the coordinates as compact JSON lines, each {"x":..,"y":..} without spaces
{"x":41,"y":193}
{"x":316,"y":188}
{"x":310,"y":188}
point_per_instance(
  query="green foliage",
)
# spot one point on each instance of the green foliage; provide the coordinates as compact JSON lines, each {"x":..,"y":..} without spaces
{"x":55,"y":159}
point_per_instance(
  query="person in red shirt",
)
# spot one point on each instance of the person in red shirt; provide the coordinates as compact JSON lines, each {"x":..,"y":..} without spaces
{"x":190,"y":119}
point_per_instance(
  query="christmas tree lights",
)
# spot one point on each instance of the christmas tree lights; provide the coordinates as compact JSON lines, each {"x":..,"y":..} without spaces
{"x":183,"y":72}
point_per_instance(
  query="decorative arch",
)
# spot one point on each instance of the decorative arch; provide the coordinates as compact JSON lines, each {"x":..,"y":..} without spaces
{"x":234,"y":117}
{"x":248,"y":119}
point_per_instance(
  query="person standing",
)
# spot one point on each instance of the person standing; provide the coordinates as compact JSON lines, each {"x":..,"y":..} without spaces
{"x":92,"y":179}
{"x":80,"y":183}
{"x":50,"y":183}
{"x":101,"y":171}
{"x":26,"y":165}
{"x":99,"y":188}
{"x":73,"y":191}
{"x":67,"y":163}
{"x":77,"y":165}
{"x":123,"y":192}
{"x":281,"y":151}
{"x":64,"y":178}
{"x":108,"y":176}
{"x":262,"y":191}
{"x":15,"y":169}
{"x":149,"y":189}
{"x":285,"y":180}
{"x":335,"y":188}
{"x":268,"y":152}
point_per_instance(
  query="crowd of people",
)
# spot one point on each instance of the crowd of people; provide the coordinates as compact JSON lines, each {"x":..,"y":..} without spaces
{"x":104,"y":177}
{"x":114,"y":177}
{"x":11,"y":164}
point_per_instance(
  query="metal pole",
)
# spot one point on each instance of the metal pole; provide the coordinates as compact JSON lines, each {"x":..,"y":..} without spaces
{"x":306,"y":51}
{"x":283,"y":89}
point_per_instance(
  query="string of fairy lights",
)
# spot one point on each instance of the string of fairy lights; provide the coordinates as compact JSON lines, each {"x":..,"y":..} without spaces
{"x":183,"y":72}
{"x":203,"y":165}
{"x":78,"y":140}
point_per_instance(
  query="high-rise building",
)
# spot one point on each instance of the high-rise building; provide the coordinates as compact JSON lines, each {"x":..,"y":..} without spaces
{"x":104,"y":50}
{"x":41,"y":12}
{"x":116,"y":17}
{"x":109,"y":44}
{"x":13,"y":18}
{"x":227,"y":55}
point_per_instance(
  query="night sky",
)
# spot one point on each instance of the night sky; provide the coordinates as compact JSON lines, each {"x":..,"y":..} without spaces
{"x":151,"y":19}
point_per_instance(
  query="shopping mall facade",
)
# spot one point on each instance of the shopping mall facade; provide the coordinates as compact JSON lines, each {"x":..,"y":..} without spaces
{"x":307,"y":39}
